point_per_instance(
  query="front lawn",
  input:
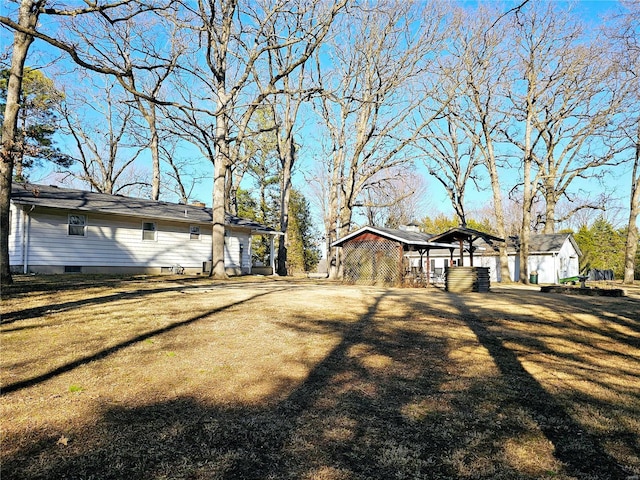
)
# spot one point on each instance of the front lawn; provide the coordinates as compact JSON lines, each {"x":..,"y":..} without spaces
{"x":257,"y":378}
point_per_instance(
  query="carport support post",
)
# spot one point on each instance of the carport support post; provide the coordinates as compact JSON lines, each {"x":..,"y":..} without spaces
{"x":428,"y":268}
{"x":421,"y":269}
{"x":401,"y":262}
{"x":272,"y":254}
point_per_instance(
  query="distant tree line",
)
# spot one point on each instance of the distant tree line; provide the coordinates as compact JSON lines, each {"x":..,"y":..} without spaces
{"x":603,"y":248}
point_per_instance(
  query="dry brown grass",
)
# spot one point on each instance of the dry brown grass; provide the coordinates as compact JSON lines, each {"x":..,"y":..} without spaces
{"x":178,"y":377}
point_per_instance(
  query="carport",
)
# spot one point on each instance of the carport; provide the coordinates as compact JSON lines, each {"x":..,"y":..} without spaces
{"x":376,"y":255}
{"x":460,"y":278}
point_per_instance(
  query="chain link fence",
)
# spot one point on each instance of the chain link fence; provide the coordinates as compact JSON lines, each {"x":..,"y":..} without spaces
{"x":373,"y":262}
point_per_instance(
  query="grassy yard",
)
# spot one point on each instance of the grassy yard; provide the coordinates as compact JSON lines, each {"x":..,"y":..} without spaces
{"x":257,"y":378}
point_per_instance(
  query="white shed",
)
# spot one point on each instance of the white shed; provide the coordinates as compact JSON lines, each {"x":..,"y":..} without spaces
{"x":57,"y":230}
{"x":552,"y":256}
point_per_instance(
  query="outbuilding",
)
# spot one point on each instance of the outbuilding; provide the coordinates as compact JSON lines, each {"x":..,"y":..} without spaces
{"x":380,"y":256}
{"x":376,"y":255}
{"x":551,"y":257}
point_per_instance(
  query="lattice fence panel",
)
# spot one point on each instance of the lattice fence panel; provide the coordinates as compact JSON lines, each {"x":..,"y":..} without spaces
{"x":372,"y":262}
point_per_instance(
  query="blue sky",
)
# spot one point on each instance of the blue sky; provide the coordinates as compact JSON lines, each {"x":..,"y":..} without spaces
{"x":617,"y":183}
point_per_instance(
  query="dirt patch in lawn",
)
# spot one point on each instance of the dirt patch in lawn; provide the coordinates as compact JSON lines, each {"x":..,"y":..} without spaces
{"x":184,"y":377}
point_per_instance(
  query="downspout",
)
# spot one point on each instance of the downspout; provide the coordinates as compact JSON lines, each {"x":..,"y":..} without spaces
{"x":26,"y":227}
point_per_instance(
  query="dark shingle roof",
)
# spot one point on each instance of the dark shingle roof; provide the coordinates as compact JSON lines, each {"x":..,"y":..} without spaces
{"x":550,"y":242}
{"x":80,"y":200}
{"x":547,"y":242}
{"x":409,"y":238}
{"x":543,"y":243}
{"x":467,"y":234}
{"x":538,"y":243}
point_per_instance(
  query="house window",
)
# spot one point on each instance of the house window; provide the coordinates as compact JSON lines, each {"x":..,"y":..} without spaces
{"x":148,"y":231}
{"x":194,"y":232}
{"x":77,"y":225}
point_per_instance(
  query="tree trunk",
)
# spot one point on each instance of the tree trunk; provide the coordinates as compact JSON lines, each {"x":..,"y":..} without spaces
{"x":505,"y":276}
{"x":230,"y":202}
{"x":27,"y":17}
{"x":285,"y":196}
{"x":550,"y":207}
{"x":527,"y":193}
{"x":344,"y":226}
{"x":220,"y":168}
{"x":217,"y":236}
{"x":334,"y":231}
{"x":632,"y":230}
{"x":155,"y":154}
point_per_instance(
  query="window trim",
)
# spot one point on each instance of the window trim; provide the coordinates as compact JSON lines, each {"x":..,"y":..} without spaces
{"x":154,"y":231}
{"x":192,"y":233}
{"x":83,"y":225}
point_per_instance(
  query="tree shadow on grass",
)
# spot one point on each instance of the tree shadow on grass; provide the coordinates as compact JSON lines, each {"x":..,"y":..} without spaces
{"x":582,"y":453}
{"x":386,"y":402}
{"x":343,"y":418}
{"x":30,"y":284}
{"x":34,"y":312}
{"x":16,"y":386}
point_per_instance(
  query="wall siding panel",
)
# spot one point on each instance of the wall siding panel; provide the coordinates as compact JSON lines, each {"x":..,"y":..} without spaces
{"x":117,"y":241}
{"x":15,"y":234}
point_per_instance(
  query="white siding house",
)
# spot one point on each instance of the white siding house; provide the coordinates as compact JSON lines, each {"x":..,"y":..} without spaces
{"x":56,"y":230}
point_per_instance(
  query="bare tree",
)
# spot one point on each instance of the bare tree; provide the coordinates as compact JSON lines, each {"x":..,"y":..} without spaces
{"x":576,"y":127}
{"x":485,"y":59}
{"x":449,"y":157}
{"x":156,"y":40}
{"x":288,"y":154}
{"x":634,"y":210}
{"x":149,"y":111}
{"x":533,"y":38}
{"x":106,"y":150}
{"x":627,"y":55}
{"x":26,"y":28}
{"x":219,"y":99}
{"x":28,"y":18}
{"x":183,"y":173}
{"x":285,"y":106}
{"x":368,"y":99}
{"x":553,"y":118}
{"x":396,"y":200}
{"x":140,"y":39}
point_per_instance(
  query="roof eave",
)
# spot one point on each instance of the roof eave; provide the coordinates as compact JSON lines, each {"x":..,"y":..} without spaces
{"x":186,"y":219}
